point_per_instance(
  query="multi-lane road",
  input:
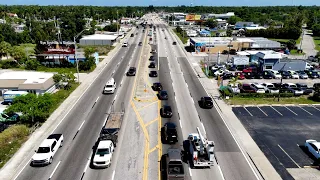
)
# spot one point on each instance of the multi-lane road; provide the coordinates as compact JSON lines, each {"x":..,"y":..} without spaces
{"x":83,"y":123}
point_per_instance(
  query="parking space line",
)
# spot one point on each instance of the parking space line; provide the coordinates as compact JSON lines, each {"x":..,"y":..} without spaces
{"x":248,"y":111}
{"x":262,"y":111}
{"x":305,"y":110}
{"x":291,"y":111}
{"x":288,"y":156}
{"x":276,"y":110}
{"x":315,"y":108}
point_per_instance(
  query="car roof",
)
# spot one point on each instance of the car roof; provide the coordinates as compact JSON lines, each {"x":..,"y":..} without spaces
{"x":167,"y":106}
{"x":291,"y":84}
{"x":317,"y":144}
{"x":111,"y":81}
{"x":104,"y":144}
{"x":207,"y":98}
{"x":157,"y":83}
{"x":268,"y":83}
{"x":170,"y":125}
{"x":47,"y":143}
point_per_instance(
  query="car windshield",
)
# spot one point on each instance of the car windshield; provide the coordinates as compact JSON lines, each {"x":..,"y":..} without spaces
{"x":103,"y":151}
{"x":108,"y":86}
{"x":43,"y":150}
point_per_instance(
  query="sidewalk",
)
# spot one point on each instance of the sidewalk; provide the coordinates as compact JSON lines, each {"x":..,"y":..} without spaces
{"x":23,"y":155}
{"x":247,"y":144}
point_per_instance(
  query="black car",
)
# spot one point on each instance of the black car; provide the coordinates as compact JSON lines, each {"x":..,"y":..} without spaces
{"x":151,"y":58}
{"x":306,"y":90}
{"x":249,"y":75}
{"x":285,"y":74}
{"x":258,"y":75}
{"x":174,"y":43}
{"x":157,"y":86}
{"x":267,"y":75}
{"x":170,"y":134}
{"x":131,"y":71}
{"x":140,"y":44}
{"x":166,"y":112}
{"x":227,"y":75}
{"x":152,"y":65}
{"x":132,"y":35}
{"x":313,"y":75}
{"x":206,"y":102}
{"x":163,"y":95}
{"x":153,"y":74}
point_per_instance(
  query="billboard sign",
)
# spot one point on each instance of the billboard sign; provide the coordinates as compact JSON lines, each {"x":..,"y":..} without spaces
{"x":190,"y":17}
{"x":194,"y":17}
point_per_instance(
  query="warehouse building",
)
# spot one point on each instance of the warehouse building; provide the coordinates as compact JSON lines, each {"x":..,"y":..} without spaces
{"x":32,"y":82}
{"x":98,"y":40}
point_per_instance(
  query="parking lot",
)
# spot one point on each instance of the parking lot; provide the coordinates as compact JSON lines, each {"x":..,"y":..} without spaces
{"x":281,"y":131}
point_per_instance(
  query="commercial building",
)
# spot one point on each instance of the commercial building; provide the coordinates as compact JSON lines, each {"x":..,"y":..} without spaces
{"x":216,"y":44}
{"x":32,"y":82}
{"x":98,"y":39}
{"x":221,"y":16}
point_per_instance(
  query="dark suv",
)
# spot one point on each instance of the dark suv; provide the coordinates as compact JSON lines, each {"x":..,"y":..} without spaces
{"x":151,"y":58}
{"x":169,"y":133}
{"x":152,"y":65}
{"x":140,"y":44}
{"x":157,"y":86}
{"x":174,"y":43}
{"x":163,"y":95}
{"x":206,"y":102}
{"x":166,"y":111}
{"x":153,"y":74}
{"x":131,"y":71}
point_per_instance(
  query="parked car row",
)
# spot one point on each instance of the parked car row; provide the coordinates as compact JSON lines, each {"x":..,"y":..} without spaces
{"x":297,"y":89}
{"x":250,"y":73}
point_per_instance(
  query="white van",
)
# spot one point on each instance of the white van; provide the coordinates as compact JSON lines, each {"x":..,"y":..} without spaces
{"x":110,"y":86}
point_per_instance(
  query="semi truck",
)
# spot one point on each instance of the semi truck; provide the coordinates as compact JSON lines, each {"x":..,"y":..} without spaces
{"x":200,"y":149}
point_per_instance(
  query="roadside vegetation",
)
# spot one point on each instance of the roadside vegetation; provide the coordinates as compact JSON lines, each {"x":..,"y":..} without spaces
{"x":181,"y":34}
{"x":316,"y":40}
{"x":34,"y":110}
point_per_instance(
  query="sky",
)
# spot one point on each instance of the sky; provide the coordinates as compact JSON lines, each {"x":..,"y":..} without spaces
{"x":165,"y":2}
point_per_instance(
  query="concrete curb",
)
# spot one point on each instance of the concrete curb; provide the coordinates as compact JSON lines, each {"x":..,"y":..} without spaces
{"x":21,"y":158}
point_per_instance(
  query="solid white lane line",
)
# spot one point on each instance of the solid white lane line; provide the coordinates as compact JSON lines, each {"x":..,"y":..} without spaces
{"x":114,"y":172}
{"x":248,"y":111}
{"x":262,"y":111}
{"x":81,"y":125}
{"x":305,"y":110}
{"x":204,"y":130}
{"x":54,"y":170}
{"x":87,"y":165}
{"x":291,"y":111}
{"x":289,"y":156}
{"x":219,"y":168}
{"x":187,"y":85}
{"x":276,"y":110}
{"x":22,"y":169}
{"x":192,"y":100}
{"x":180,"y":124}
{"x":190,"y":172}
{"x":97,"y":99}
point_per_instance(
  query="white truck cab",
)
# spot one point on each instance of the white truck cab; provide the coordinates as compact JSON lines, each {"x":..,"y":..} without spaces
{"x":103,"y":155}
{"x":110,"y":87}
{"x":47,"y":149}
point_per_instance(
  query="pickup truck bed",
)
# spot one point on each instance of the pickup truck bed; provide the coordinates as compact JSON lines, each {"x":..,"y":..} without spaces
{"x":55,"y":136}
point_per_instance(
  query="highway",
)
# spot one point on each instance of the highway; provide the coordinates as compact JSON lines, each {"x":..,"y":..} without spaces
{"x":82,"y":125}
{"x":233,"y":163}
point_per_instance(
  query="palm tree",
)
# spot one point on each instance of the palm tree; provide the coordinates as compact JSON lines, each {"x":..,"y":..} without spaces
{"x":5,"y":48}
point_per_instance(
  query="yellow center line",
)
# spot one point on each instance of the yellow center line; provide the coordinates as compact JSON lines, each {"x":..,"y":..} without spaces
{"x":143,"y":107}
{"x":153,"y":149}
{"x":159,"y":139}
{"x":150,"y":122}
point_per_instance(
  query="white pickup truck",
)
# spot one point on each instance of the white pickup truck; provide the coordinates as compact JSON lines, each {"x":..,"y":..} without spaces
{"x":47,"y":149}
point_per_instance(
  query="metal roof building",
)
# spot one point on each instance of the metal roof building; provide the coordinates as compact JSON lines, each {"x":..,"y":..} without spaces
{"x":98,"y":40}
{"x":33,"y":82}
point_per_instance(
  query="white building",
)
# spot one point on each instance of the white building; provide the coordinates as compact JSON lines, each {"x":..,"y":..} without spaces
{"x":221,"y":16}
{"x":32,"y":82}
{"x":98,"y":39}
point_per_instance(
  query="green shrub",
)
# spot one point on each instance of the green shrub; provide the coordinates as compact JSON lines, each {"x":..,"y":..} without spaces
{"x":7,"y":64}
{"x":10,"y":141}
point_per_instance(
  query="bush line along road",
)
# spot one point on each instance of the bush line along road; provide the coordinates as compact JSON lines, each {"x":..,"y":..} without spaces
{"x":134,"y":156}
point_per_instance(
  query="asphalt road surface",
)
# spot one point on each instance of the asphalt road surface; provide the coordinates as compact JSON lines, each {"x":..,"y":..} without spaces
{"x":82,"y":125}
{"x":230,"y":158}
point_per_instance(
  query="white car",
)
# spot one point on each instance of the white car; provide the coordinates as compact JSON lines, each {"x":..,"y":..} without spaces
{"x":220,"y":72}
{"x":103,"y":155}
{"x":110,"y":87}
{"x":259,"y":87}
{"x":234,"y":88}
{"x":294,"y":75}
{"x":270,"y":88}
{"x":313,"y":147}
{"x":275,"y":74}
{"x":47,"y":149}
{"x":125,"y":44}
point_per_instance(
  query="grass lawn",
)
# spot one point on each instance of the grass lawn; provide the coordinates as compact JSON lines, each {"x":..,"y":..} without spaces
{"x":293,"y":100}
{"x":47,"y":69}
{"x":295,"y":52}
{"x":317,"y":42}
{"x":183,"y":39}
{"x":285,"y":40}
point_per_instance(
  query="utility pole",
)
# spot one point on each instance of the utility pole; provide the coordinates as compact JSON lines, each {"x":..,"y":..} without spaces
{"x":281,"y":82}
{"x":229,"y":50}
{"x":75,"y":53}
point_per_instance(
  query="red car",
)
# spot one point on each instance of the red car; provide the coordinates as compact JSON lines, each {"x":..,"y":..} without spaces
{"x":247,"y":88}
{"x":240,"y":75}
{"x":249,"y":70}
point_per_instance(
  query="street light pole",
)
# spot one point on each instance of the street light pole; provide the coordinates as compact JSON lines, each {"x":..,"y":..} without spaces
{"x":229,"y":50}
{"x":75,"y":53}
{"x":281,"y":81}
